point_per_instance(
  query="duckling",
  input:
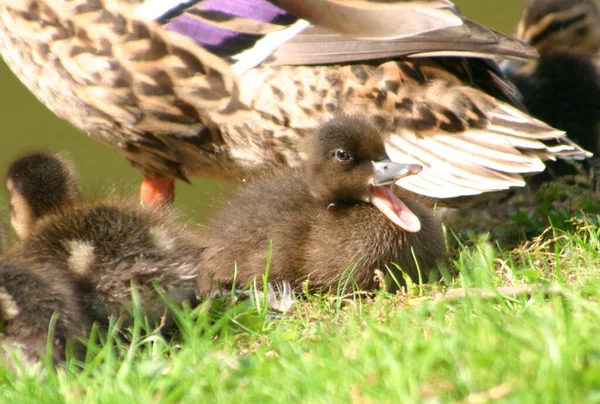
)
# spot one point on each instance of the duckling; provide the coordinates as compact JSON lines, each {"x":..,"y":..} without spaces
{"x":561,"y":24}
{"x":98,"y":249}
{"x":230,"y":88}
{"x":562,"y":87}
{"x":335,"y":213}
{"x":40,"y":184}
{"x":27,"y":304}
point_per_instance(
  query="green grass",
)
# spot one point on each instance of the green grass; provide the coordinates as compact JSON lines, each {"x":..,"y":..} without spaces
{"x":428,"y":344}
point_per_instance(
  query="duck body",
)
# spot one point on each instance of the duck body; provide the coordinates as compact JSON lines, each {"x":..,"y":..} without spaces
{"x":314,"y":234}
{"x":180,"y":91}
{"x":312,"y":242}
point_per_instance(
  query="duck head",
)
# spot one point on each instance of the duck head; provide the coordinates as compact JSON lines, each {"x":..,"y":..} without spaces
{"x":39,"y":184}
{"x":347,"y":163}
{"x":561,"y":24}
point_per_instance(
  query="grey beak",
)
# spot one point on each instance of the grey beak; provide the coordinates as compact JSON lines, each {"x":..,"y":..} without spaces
{"x":510,"y":66}
{"x":386,"y":171}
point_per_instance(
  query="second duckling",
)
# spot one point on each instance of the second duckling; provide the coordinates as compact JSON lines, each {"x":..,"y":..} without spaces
{"x":562,"y":87}
{"x":336,"y":215}
{"x":98,"y":249}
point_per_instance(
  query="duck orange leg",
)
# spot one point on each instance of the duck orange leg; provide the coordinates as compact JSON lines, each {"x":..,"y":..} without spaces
{"x":157,"y":192}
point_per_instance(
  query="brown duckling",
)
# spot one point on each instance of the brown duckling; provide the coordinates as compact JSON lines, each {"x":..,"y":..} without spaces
{"x":333,"y":214}
{"x":40,"y":184}
{"x":98,"y":249}
{"x":562,"y":87}
{"x":561,"y":24}
{"x":27,"y":304}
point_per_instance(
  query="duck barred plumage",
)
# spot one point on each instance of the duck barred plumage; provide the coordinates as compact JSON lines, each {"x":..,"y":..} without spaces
{"x":139,"y":78}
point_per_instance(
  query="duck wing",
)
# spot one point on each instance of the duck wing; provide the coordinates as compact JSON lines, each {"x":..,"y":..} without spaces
{"x":253,"y":32}
{"x":467,"y":141}
{"x":434,"y":111}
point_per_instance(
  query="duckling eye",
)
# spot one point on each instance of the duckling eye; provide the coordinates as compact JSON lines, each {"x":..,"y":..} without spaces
{"x":342,"y":155}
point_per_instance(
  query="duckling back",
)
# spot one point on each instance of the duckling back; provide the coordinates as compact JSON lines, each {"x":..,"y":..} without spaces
{"x":106,"y":248}
{"x":267,"y":212}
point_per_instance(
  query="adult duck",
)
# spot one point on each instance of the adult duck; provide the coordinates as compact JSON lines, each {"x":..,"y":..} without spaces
{"x":228,"y":88}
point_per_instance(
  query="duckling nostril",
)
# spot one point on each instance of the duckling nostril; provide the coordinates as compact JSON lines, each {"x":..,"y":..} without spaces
{"x":386,"y":172}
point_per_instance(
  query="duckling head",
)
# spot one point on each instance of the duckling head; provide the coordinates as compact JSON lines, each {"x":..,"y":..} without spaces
{"x":347,"y":163}
{"x":561,"y":24}
{"x":39,"y":184}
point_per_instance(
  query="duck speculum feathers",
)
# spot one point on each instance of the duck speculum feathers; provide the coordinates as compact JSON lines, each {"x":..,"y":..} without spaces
{"x":138,"y":77}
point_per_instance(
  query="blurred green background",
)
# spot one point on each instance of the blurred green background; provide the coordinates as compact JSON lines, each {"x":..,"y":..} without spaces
{"x":27,"y":125}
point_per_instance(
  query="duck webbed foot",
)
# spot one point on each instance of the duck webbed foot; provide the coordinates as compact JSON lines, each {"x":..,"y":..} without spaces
{"x":157,"y":192}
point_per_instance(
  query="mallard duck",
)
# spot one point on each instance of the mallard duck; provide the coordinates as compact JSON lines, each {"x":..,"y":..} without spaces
{"x":562,"y":87}
{"x":101,"y":248}
{"x":336,"y":217}
{"x":229,"y":88}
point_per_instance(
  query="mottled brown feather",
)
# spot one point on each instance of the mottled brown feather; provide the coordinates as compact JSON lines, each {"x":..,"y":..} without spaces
{"x":176,"y":110}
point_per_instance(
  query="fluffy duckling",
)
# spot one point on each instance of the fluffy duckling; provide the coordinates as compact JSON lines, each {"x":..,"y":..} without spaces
{"x":561,"y":24}
{"x":40,"y":184}
{"x":562,"y":88}
{"x":27,"y":304}
{"x":336,"y":213}
{"x":97,"y":249}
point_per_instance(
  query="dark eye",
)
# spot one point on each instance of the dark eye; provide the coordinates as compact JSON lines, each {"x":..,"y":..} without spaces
{"x":556,"y":26}
{"x":342,"y":155}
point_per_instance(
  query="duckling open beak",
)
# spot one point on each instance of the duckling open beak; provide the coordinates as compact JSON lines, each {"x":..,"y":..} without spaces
{"x":386,"y":172}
